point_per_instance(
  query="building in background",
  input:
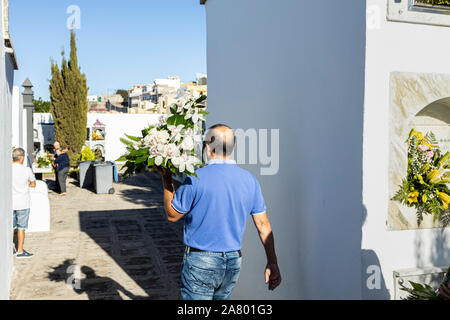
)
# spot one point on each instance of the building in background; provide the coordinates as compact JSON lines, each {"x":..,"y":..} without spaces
{"x":160,"y":95}
{"x":107,"y":103}
{"x":8,"y":63}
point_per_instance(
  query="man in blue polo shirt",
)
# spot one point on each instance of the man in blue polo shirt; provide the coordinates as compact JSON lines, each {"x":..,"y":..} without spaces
{"x":217,"y":205}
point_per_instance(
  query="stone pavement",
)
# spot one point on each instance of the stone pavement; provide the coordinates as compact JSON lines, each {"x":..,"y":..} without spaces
{"x":118,"y":246}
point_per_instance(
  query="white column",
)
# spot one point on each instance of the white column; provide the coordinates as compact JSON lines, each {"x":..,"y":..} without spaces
{"x":16,"y":118}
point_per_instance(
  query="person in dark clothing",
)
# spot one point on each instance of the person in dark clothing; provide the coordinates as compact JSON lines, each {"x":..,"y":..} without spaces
{"x":56,"y":148}
{"x":62,"y":163}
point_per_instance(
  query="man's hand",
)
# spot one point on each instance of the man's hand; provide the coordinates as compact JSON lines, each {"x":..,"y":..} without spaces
{"x":169,"y":193}
{"x":272,"y":272}
{"x":273,"y":277}
{"x":164,"y":172}
{"x":444,"y":291}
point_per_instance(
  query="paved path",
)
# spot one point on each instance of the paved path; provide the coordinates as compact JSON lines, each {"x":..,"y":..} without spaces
{"x":121,"y":246}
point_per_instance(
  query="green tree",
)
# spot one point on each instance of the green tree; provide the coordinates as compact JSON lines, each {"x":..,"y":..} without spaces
{"x":124,"y":94}
{"x":41,"y":106}
{"x":69,"y":107}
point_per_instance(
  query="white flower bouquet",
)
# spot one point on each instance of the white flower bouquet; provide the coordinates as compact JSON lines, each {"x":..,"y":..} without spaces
{"x":171,"y":144}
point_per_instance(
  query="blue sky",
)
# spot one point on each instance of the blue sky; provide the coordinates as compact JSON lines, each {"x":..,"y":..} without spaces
{"x":120,"y":43}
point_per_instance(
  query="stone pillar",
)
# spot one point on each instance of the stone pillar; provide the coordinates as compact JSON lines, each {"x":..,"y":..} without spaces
{"x":28,"y":106}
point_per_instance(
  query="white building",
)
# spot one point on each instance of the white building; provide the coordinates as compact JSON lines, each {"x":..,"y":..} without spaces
{"x":155,"y":97}
{"x":342,"y":82}
{"x":8,"y":64}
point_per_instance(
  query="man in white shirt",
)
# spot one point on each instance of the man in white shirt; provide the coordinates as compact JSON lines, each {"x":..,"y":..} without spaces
{"x":22,"y":180}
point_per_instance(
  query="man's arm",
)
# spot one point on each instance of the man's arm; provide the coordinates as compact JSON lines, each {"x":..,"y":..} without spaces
{"x":272,"y":272}
{"x":169,"y":193}
{"x":31,"y":179}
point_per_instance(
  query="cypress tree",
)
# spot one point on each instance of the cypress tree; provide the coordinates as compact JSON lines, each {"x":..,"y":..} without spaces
{"x":69,"y":107}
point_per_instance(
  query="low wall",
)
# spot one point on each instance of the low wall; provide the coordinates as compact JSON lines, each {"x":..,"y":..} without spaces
{"x":117,"y":125}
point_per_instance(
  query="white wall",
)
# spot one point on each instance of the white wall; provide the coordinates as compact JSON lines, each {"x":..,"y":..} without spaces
{"x":16,"y":117}
{"x":297,"y":66}
{"x":117,"y":125}
{"x":395,"y":47}
{"x":6,"y":85}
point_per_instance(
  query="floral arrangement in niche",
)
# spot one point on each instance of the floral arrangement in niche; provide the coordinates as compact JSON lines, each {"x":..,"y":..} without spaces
{"x":44,"y":161}
{"x":171,"y":144}
{"x":426,"y":184}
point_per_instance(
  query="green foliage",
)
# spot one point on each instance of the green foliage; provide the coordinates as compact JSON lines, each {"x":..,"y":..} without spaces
{"x":44,"y":162}
{"x":424,"y":291}
{"x":420,"y":292}
{"x":87,"y":154}
{"x":69,"y":107}
{"x":41,"y":106}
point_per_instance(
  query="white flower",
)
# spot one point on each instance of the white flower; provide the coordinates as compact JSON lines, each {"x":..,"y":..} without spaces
{"x":187,"y":144}
{"x":194,"y":115}
{"x":175,"y":132}
{"x":163,"y":136}
{"x":171,"y":150}
{"x":158,"y":160}
{"x":163,"y":120}
{"x":185,"y":162}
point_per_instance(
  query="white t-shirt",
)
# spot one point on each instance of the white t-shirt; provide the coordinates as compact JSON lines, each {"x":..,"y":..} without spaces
{"x":21,"y":176}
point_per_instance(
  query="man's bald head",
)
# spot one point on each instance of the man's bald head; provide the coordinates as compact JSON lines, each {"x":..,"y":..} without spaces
{"x":221,"y":140}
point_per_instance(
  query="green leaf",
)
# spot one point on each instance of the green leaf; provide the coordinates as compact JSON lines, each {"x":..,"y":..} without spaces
{"x":127,"y":142}
{"x":133,"y":138}
{"x":201,"y":99}
{"x":122,"y":158}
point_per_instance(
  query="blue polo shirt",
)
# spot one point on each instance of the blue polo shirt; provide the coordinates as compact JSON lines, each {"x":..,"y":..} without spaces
{"x":217,"y":205}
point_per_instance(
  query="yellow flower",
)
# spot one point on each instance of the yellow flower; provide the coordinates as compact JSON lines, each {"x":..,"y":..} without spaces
{"x":432,"y":174}
{"x":412,"y":197}
{"x":411,"y":189}
{"x":445,"y":198}
{"x":424,"y":198}
{"x":419,"y":136}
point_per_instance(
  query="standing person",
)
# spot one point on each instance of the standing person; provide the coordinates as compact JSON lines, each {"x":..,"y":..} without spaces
{"x":217,"y":205}
{"x":56,"y":148}
{"x":62,"y":164}
{"x":22,"y":179}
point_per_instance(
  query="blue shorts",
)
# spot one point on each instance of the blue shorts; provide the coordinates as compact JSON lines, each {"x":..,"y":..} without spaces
{"x":20,"y":219}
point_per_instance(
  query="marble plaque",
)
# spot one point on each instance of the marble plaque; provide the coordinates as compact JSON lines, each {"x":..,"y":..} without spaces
{"x":420,"y":101}
{"x":418,"y":11}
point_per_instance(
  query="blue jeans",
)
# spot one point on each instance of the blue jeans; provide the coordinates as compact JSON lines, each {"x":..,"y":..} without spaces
{"x":209,"y":275}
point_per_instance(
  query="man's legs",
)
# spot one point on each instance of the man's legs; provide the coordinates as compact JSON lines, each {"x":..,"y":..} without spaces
{"x":21,"y":218}
{"x":20,"y":239}
{"x":56,"y":181}
{"x":201,"y":274}
{"x":234,"y":263}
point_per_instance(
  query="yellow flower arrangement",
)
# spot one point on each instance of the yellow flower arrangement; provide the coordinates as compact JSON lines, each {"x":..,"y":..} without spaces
{"x":427,"y":179}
